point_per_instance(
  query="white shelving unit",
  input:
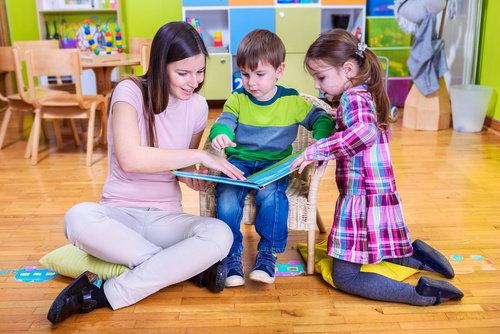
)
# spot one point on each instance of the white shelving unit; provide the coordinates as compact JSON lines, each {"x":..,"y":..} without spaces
{"x":47,"y":10}
{"x":297,"y":24}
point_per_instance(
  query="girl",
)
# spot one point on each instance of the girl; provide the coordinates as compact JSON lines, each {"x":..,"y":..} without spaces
{"x":368,"y":225}
{"x":155,"y":125}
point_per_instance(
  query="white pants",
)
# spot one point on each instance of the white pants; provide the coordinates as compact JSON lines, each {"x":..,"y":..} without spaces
{"x":160,"y":247}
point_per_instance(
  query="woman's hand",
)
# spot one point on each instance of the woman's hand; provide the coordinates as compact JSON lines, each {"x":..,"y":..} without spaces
{"x":222,"y":141}
{"x":212,"y":161}
{"x":195,"y":184}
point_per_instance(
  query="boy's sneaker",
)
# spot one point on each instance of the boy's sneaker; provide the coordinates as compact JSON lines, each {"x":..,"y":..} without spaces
{"x":235,"y":276}
{"x":264,"y":268}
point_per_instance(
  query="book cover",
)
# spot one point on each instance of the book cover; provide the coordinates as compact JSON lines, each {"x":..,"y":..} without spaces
{"x":257,"y":181}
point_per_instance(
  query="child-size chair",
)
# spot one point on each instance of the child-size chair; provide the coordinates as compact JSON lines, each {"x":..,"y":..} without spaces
{"x":68,"y":106}
{"x":135,"y":48}
{"x":22,"y":102}
{"x":302,"y":192}
{"x":145,"y":52}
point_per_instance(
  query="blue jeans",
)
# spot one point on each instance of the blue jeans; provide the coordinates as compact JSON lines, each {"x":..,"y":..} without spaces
{"x":272,"y":209}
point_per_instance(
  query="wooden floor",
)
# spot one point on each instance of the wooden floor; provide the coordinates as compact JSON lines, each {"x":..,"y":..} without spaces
{"x":450,"y":185}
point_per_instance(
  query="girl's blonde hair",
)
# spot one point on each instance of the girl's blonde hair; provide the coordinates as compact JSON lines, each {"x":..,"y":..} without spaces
{"x":337,"y":46}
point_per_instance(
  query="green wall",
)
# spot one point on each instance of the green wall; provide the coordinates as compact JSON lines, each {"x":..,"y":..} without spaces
{"x":22,"y":20}
{"x":143,"y":18}
{"x":489,"y":51}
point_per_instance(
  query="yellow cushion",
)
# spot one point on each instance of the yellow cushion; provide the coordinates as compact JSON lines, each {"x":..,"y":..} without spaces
{"x":323,"y":265}
{"x":70,"y":261}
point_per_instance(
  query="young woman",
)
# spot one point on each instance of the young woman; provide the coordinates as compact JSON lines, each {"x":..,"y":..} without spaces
{"x":155,"y":125}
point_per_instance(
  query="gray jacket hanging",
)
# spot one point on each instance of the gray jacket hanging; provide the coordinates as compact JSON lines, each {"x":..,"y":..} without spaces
{"x":427,"y":62}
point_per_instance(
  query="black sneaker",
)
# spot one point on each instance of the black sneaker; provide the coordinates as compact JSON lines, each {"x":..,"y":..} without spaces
{"x":214,"y":278}
{"x":442,"y":290}
{"x":432,"y":259}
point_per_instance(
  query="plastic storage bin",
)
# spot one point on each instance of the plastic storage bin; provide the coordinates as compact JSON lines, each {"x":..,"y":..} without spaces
{"x":384,"y":31}
{"x":380,"y":7}
{"x":398,"y":58}
{"x":469,"y":104}
{"x":398,"y":89}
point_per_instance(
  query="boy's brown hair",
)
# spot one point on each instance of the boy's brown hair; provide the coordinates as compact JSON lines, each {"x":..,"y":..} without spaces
{"x":260,"y":45}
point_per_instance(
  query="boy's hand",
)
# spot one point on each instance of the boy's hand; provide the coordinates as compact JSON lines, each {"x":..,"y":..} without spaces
{"x":222,"y":141}
{"x":333,"y":113}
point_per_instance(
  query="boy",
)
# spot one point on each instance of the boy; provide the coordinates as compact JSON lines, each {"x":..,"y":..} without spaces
{"x":258,"y":124}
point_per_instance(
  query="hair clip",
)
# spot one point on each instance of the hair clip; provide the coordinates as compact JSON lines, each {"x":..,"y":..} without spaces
{"x":361,"y":49}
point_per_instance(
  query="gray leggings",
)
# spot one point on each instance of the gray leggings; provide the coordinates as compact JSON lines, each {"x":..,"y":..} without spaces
{"x":348,"y":277}
{"x":161,"y":247}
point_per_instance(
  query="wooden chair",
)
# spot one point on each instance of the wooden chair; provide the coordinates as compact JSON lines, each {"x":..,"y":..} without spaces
{"x":23,"y":101}
{"x":68,"y":106}
{"x":22,"y":47}
{"x":145,"y":52}
{"x":44,"y":45}
{"x":134,"y":47}
{"x":302,"y":193}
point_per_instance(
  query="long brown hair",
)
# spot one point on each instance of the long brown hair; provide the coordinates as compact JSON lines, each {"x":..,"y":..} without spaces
{"x":337,"y":46}
{"x":173,"y":42}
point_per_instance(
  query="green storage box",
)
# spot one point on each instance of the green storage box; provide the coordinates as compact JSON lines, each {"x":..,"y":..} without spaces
{"x":384,"y":31}
{"x":398,"y":58}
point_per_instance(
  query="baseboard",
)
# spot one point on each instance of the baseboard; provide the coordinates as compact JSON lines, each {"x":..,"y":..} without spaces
{"x":492,"y":125}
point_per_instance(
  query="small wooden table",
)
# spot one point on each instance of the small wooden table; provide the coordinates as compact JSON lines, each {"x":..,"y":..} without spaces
{"x":103,"y":65}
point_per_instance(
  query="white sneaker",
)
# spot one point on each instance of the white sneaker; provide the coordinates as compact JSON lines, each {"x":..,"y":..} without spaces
{"x":235,"y":280}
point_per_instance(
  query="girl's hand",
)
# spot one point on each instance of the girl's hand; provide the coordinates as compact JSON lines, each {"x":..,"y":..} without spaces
{"x":222,"y":165}
{"x":222,"y":141}
{"x":301,"y":161}
{"x":195,"y":184}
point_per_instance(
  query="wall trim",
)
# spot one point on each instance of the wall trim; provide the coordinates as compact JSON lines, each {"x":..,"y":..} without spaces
{"x":492,"y":125}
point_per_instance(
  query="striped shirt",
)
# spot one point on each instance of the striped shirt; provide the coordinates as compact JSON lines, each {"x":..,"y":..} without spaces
{"x":264,"y":131}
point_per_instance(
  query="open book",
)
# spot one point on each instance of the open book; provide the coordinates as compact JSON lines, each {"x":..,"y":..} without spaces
{"x":258,"y":180}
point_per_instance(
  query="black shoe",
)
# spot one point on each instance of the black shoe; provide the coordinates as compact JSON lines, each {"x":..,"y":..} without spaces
{"x":432,"y":259}
{"x":442,"y":290}
{"x":214,"y":278}
{"x":75,"y":298}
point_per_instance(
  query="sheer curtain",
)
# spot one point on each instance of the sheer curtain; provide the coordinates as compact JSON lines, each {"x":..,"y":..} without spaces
{"x":461,"y":34}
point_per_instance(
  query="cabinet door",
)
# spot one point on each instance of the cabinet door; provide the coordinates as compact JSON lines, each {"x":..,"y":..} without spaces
{"x":295,"y":76}
{"x":298,"y":27}
{"x":217,"y":84}
{"x":244,"y":20}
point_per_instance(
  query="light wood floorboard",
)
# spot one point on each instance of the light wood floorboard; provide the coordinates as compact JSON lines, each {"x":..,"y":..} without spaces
{"x":449,"y":182}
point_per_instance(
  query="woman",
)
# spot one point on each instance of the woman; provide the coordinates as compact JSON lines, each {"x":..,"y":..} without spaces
{"x":155,"y":125}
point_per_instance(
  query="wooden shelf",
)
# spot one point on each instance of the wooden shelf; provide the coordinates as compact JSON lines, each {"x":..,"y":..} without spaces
{"x":79,"y":11}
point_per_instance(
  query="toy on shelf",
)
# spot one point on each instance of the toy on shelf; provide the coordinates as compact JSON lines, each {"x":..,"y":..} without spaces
{"x":102,"y":36}
{"x":69,"y":36}
{"x":196,"y":24}
{"x":217,"y":38}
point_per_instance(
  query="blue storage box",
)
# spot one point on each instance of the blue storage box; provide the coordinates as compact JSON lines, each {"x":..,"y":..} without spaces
{"x":237,"y":82}
{"x":380,"y":7}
